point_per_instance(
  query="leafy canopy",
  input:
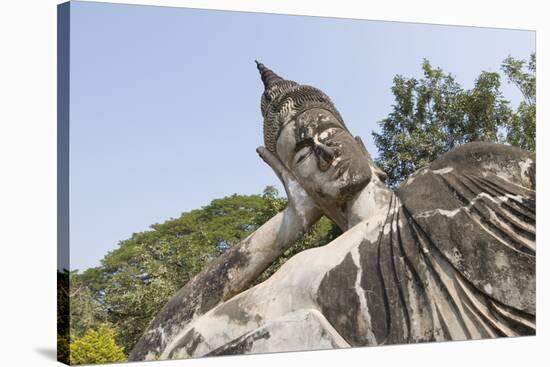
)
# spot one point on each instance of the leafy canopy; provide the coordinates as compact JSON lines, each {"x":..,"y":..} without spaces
{"x":96,"y":346}
{"x":522,"y":126}
{"x":433,"y":114}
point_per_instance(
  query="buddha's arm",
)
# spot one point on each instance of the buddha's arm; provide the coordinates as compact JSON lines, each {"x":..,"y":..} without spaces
{"x":244,"y":263}
{"x":229,"y":274}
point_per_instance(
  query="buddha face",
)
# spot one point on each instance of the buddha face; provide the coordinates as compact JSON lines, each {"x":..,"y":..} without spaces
{"x":327,"y":161}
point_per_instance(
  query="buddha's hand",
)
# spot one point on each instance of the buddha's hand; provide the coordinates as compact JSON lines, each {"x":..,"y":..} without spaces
{"x":298,"y":199}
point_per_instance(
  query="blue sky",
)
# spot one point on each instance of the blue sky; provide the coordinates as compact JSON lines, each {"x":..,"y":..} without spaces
{"x":165,"y":102}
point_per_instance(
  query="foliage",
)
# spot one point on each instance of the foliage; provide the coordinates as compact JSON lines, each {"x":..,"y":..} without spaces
{"x":63,"y":319}
{"x":97,"y":346}
{"x":433,"y":114}
{"x":85,"y":311}
{"x":522,"y":127}
{"x":135,"y":280}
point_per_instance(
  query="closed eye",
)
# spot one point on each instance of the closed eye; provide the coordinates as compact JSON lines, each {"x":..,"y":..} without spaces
{"x":307,"y":142}
{"x":304,"y":155}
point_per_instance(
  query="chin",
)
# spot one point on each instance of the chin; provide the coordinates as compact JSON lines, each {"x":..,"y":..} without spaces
{"x":341,"y":190}
{"x":352,"y":184}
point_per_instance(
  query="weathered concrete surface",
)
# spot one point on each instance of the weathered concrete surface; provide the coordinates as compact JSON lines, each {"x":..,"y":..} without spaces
{"x":280,"y":334}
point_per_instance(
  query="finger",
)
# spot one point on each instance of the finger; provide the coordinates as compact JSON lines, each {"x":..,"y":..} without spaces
{"x":273,"y":161}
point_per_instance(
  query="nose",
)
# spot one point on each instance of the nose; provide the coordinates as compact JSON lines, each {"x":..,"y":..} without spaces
{"x":326,"y":155}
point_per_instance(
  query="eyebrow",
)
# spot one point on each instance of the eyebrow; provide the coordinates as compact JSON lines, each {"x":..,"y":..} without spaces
{"x":307,"y":142}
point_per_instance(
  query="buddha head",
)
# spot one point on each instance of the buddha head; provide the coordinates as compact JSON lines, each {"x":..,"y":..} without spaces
{"x":305,"y":131}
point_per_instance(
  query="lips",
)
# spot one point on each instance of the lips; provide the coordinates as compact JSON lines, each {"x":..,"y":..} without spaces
{"x":341,"y":168}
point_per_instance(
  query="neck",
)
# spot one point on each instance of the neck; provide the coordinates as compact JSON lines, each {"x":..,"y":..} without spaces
{"x":371,"y":204}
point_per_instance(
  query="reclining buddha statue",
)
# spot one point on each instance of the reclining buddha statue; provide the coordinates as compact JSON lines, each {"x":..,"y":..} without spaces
{"x":448,"y":255}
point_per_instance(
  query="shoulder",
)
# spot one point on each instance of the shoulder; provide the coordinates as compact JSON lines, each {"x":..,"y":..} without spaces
{"x":512,"y":165}
{"x":483,"y":159}
{"x":477,"y":206}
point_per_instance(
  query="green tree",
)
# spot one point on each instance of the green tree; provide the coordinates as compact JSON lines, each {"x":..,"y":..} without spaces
{"x":433,"y":114}
{"x":63,"y":316}
{"x":521,"y":129}
{"x":97,"y":346}
{"x":86,"y":313}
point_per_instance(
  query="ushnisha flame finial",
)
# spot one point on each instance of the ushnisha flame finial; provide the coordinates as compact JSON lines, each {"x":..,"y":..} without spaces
{"x":268,"y":76}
